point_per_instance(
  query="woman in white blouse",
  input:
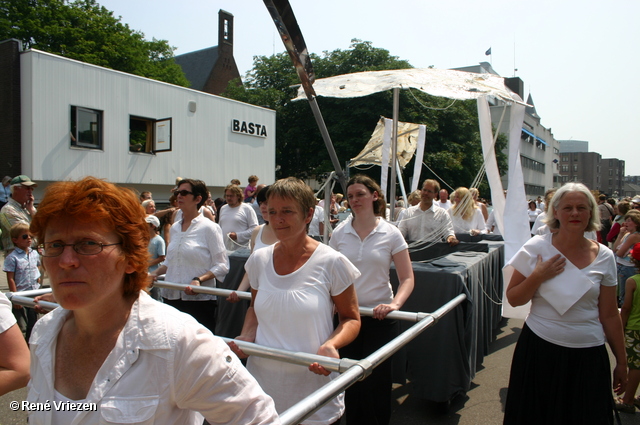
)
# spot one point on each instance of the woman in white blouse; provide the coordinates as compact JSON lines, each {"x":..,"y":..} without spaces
{"x":195,"y":256}
{"x":466,"y":217}
{"x":560,"y":373}
{"x":371,"y":244}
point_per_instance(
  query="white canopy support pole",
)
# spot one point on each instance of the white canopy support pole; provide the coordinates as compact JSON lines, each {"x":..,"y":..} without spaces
{"x":401,"y":183}
{"x":384,"y":160}
{"x":419,"y":157}
{"x":394,"y":151}
{"x":328,"y":189}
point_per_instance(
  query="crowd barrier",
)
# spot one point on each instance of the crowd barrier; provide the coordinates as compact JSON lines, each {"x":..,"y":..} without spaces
{"x":351,"y":370}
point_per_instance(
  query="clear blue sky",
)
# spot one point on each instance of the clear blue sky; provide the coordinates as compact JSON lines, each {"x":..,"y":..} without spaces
{"x":578,"y":60}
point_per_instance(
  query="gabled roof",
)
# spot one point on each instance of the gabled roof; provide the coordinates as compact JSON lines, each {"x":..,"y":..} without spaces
{"x":531,"y":110}
{"x":197,"y":65}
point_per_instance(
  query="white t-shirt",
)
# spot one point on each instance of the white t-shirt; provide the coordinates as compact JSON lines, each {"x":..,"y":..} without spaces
{"x":241,"y":220}
{"x":295,"y":313}
{"x":461,"y":225}
{"x":434,"y":224}
{"x":7,"y":319}
{"x":372,"y":256}
{"x":579,"y":326}
{"x":318,"y":217}
{"x":446,"y":204}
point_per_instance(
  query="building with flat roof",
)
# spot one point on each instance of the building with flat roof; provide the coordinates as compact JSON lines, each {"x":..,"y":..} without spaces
{"x":573,"y":146}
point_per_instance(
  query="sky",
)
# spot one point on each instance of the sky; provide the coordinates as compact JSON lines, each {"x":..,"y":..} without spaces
{"x":574,"y":58}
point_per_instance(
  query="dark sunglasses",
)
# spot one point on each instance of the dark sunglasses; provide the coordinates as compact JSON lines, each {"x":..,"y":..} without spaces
{"x":183,"y":192}
{"x":25,"y":236}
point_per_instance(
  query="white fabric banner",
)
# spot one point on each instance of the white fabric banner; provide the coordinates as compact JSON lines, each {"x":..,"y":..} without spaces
{"x":417,"y":166}
{"x":491,"y":163}
{"x":386,"y":151}
{"x":516,"y":225}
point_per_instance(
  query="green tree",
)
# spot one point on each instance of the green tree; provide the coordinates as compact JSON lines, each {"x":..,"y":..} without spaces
{"x":453,"y":148}
{"x":85,"y":31}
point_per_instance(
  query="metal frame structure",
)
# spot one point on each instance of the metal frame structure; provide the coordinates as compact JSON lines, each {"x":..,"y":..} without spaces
{"x":350,"y":370}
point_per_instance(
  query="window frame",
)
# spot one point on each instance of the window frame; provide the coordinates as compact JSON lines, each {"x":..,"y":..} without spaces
{"x":158,"y":134}
{"x":75,"y":132}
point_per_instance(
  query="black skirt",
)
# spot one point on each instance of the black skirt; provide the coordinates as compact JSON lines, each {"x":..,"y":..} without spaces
{"x":551,"y":384}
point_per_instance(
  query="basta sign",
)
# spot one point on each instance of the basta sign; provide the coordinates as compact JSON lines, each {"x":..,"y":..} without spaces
{"x":249,"y":128}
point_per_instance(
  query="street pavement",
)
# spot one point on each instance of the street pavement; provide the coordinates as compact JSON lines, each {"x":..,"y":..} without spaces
{"x":483,"y":404}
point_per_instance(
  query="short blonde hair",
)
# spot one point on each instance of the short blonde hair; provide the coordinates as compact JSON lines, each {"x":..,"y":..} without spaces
{"x":594,"y":220}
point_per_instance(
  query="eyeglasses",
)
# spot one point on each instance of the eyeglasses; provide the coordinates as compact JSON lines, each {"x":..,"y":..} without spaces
{"x":26,"y":236}
{"x":183,"y":192}
{"x":53,"y":249}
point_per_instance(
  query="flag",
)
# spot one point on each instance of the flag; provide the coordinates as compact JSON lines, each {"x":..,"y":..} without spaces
{"x":488,"y":52}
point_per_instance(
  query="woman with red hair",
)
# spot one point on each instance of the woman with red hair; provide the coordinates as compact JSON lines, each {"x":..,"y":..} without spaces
{"x":109,"y":344}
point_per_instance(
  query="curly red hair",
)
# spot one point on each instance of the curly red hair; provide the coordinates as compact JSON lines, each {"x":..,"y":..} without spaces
{"x":95,"y":200}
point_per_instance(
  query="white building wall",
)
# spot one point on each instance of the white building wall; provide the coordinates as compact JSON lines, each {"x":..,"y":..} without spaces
{"x":203,"y":145}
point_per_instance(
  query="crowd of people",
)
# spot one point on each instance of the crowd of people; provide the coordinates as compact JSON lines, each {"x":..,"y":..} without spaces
{"x":304,"y":297}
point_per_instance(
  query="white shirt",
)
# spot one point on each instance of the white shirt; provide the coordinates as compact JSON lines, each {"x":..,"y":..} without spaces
{"x":434,"y":224}
{"x":241,"y":220}
{"x":372,"y":256}
{"x":579,"y":326}
{"x":538,"y":223}
{"x":295,"y":313}
{"x":164,"y":367}
{"x":461,"y":225}
{"x":318,"y":217}
{"x":7,"y":319}
{"x":193,"y":253}
{"x":446,"y":205}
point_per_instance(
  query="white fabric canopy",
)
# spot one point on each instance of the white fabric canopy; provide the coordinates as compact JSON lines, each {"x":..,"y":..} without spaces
{"x":437,"y":82}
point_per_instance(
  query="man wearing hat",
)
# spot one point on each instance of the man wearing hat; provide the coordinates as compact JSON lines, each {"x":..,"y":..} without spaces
{"x":18,"y":208}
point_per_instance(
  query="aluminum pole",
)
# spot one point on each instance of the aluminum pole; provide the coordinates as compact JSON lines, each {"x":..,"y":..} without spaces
{"x":298,"y":357}
{"x":305,"y":407}
{"x":394,"y":152}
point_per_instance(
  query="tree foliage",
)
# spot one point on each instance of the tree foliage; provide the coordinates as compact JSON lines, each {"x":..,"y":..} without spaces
{"x":85,"y":31}
{"x":453,"y":149}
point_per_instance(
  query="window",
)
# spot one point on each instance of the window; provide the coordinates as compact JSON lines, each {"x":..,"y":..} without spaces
{"x":565,"y":158}
{"x":147,"y":135}
{"x":575,"y":168}
{"x":565,"y":168}
{"x":532,"y":164}
{"x":86,"y":128}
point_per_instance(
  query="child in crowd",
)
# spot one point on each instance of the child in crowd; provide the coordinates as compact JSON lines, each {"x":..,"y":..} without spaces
{"x":157,"y":250}
{"x":251,"y":189}
{"x":630,"y":314}
{"x":23,"y":273}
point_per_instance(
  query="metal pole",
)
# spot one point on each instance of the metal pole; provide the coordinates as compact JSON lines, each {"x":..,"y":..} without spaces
{"x":29,"y":293}
{"x":304,"y":408}
{"x":23,"y":298}
{"x":394,"y":151}
{"x":299,"y":358}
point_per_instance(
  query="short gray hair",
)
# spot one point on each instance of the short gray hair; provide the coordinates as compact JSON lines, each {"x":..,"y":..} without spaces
{"x":594,"y":220}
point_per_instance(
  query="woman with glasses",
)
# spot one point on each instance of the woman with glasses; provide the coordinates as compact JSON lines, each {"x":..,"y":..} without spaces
{"x":195,"y":256}
{"x":628,"y":236}
{"x":109,"y":345}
